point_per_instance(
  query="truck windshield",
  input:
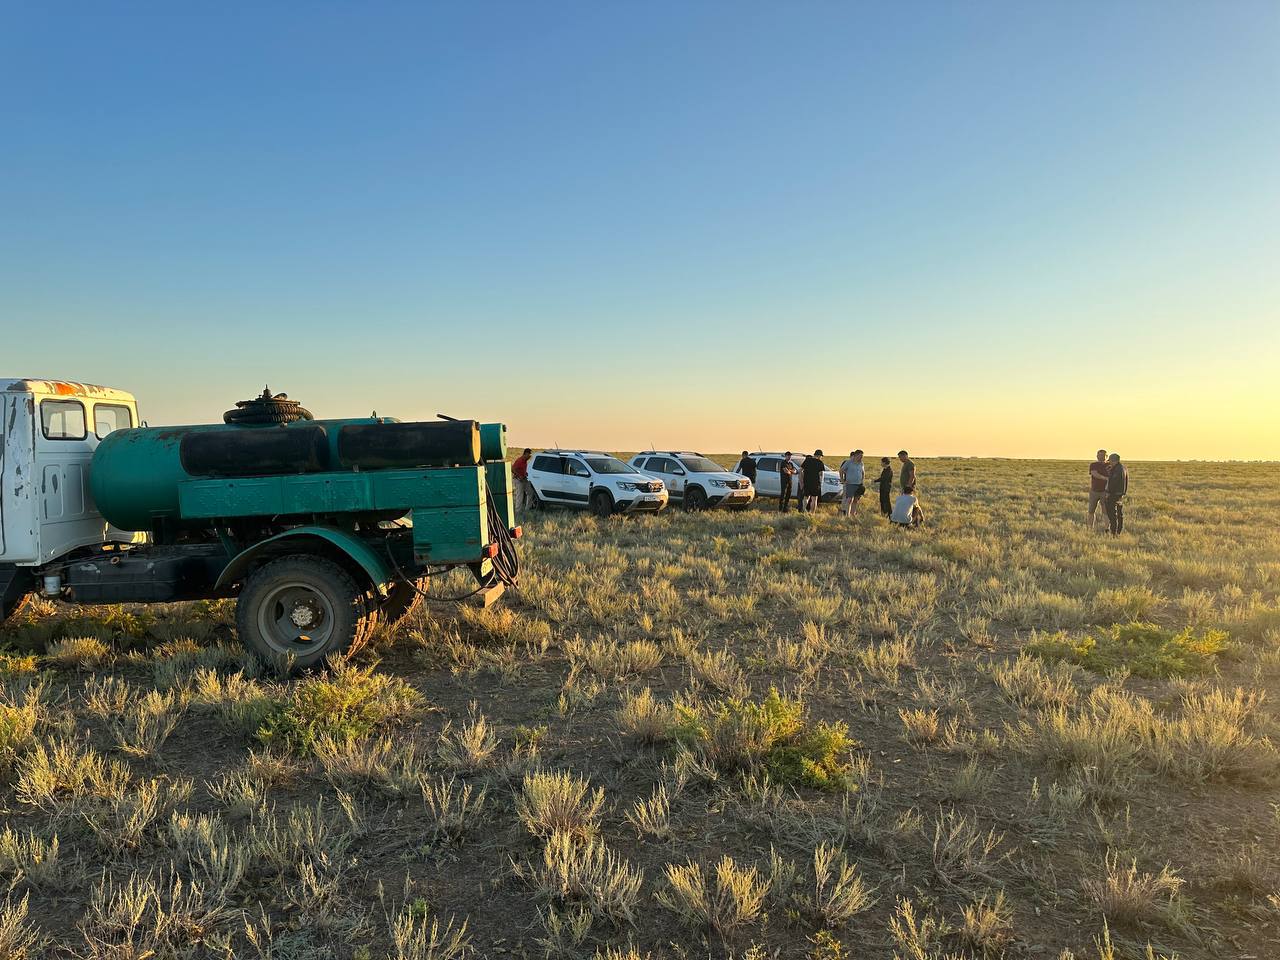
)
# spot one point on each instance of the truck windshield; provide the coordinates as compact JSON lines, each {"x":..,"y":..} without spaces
{"x":701,"y":465}
{"x":608,"y":465}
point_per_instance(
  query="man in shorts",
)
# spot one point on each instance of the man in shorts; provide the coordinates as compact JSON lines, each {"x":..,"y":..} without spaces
{"x":811,"y":471}
{"x":1099,"y":470}
{"x":851,"y":475}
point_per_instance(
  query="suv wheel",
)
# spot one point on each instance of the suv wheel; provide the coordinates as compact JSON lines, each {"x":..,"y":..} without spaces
{"x":601,"y":503}
{"x":695,"y":498}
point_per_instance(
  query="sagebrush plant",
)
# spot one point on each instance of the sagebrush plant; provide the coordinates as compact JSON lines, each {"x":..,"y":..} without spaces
{"x":551,"y":803}
{"x":585,"y":873}
{"x":349,"y":703}
{"x":1125,"y":894}
{"x":774,"y":734}
{"x":77,"y":653}
{"x":1144,"y":649}
{"x":721,"y":900}
{"x":21,"y":709}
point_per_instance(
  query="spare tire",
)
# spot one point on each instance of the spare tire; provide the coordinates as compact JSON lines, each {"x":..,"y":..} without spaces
{"x":267,"y":408}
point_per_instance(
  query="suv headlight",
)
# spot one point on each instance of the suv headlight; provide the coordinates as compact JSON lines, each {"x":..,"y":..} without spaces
{"x":625,"y":485}
{"x":719,"y":483}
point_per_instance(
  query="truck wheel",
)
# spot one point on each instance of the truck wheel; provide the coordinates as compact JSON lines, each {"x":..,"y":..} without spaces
{"x":402,"y":600}
{"x":601,"y":503}
{"x":15,"y":589}
{"x":296,"y":611}
{"x":11,"y":608}
{"x":695,"y":498}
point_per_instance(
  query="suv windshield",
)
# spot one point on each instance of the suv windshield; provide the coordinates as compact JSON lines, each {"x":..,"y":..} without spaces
{"x":608,"y":465}
{"x":701,"y":465}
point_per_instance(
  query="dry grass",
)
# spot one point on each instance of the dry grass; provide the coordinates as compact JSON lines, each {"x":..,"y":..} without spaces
{"x":559,"y":803}
{"x":720,"y":735}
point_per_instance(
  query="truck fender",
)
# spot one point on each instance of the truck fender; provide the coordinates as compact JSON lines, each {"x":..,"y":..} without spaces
{"x":364,"y":556}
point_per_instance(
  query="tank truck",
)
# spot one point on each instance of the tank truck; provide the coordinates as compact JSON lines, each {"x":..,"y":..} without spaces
{"x":320,"y":529}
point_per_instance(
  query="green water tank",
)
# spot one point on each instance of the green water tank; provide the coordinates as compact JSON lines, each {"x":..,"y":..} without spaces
{"x":135,"y":474}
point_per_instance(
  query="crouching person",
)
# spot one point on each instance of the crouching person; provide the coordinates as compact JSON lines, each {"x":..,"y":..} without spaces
{"x":906,"y":510}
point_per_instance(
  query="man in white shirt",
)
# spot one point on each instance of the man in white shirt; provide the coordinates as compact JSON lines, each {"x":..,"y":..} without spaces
{"x":906,"y":510}
{"x":851,"y":474}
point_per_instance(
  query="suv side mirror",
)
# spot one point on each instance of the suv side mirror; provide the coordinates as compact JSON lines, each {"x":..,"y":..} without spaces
{"x":678,"y":472}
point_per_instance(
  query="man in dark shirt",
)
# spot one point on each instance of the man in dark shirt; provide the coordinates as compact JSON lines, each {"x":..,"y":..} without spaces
{"x":1117,"y":489}
{"x":747,"y":467}
{"x":812,"y":469}
{"x":908,"y":475}
{"x":1098,"y":471}
{"x":786,"y":470}
{"x":885,"y":481}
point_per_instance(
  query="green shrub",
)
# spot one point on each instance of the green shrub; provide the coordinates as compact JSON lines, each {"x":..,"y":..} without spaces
{"x":1142,"y":648}
{"x":737,"y":734}
{"x":17,"y":664}
{"x":348,"y":704}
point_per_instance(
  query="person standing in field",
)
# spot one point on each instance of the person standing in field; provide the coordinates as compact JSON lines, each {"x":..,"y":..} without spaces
{"x":851,"y":475}
{"x":812,"y":470}
{"x":1117,"y":490}
{"x":1098,"y":471}
{"x":747,"y":467}
{"x":908,"y":476}
{"x":885,"y":482}
{"x":520,"y":474}
{"x":786,"y":470}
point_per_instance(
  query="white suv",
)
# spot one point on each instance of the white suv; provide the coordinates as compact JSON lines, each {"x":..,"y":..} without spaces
{"x":769,"y":485}
{"x":694,"y":480}
{"x":588,"y":478}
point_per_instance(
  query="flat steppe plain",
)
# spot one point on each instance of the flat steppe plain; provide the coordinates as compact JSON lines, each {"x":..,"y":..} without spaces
{"x":694,"y":735}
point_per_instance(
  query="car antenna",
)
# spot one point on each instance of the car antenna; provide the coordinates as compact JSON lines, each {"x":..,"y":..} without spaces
{"x":445,"y":416}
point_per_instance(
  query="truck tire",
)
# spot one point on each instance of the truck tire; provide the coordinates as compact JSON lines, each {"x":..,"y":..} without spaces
{"x":601,"y":503}
{"x":695,"y":498}
{"x":296,"y":611}
{"x":402,"y":600}
{"x":11,"y":608}
{"x":15,"y":589}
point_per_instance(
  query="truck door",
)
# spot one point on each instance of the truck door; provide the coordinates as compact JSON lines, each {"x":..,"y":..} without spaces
{"x":64,"y":447}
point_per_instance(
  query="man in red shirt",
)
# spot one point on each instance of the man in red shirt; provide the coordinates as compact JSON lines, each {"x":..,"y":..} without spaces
{"x":1099,"y":471}
{"x":520,"y":473}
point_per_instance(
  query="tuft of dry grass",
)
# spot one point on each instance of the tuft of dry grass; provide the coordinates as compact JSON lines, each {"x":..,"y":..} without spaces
{"x":77,"y":653}
{"x":1124,"y":894}
{"x":559,"y":803}
{"x":722,"y":902}
{"x":585,"y":874}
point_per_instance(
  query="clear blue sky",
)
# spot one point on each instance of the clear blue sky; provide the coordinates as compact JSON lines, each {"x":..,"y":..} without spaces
{"x":966,"y":228}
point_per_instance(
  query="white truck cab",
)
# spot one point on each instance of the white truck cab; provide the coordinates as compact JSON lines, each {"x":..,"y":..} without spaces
{"x":48,"y":432}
